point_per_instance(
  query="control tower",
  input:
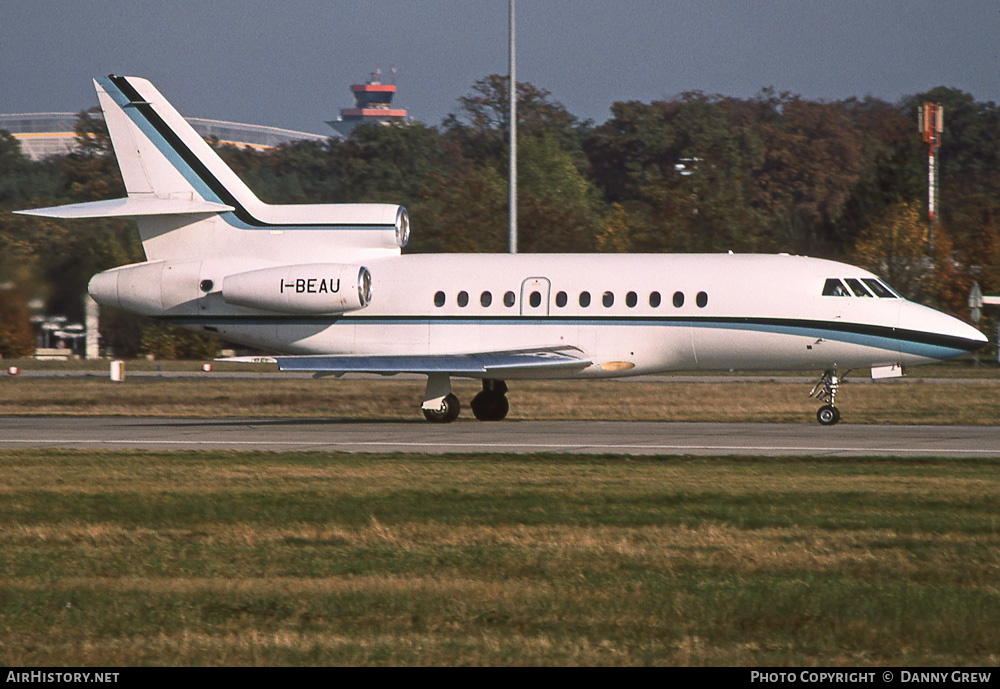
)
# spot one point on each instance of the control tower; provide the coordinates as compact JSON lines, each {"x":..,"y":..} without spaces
{"x":372,"y":104}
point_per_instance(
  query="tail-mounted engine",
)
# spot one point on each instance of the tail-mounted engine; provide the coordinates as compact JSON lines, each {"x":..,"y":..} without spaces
{"x":315,"y":288}
{"x":163,"y":287}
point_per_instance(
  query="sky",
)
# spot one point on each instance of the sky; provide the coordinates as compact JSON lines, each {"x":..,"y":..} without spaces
{"x":290,"y":64}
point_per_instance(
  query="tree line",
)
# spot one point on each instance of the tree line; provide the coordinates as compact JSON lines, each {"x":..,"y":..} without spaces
{"x":844,"y":179}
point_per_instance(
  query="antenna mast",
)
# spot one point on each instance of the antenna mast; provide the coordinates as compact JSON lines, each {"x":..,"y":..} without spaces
{"x":930,"y":120}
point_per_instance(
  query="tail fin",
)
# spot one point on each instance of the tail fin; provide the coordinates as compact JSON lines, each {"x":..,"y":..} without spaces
{"x":187,"y":201}
{"x":159,"y":153}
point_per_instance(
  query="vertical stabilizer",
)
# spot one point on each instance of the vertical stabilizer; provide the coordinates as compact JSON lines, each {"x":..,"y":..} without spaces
{"x":158,"y":152}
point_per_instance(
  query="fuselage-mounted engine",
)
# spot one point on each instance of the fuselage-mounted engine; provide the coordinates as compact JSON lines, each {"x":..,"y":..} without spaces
{"x":176,"y":288}
{"x":315,"y":288}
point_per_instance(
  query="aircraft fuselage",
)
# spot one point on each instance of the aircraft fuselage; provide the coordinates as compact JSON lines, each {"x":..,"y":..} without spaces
{"x":628,"y":313}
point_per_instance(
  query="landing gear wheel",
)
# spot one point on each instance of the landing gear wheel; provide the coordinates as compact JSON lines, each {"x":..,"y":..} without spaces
{"x":828,"y":415}
{"x":449,"y":411}
{"x":826,"y":391}
{"x":490,"y":405}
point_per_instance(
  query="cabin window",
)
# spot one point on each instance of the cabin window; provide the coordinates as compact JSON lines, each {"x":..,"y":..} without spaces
{"x":835,"y":288}
{"x":654,"y":299}
{"x":879,"y":289}
{"x":608,"y":299}
{"x":486,"y":298}
{"x":535,"y":299}
{"x":584,"y":299}
{"x":858,"y":289}
{"x":560,"y":299}
{"x":631,"y":299}
{"x":678,"y":299}
{"x":439,"y":299}
{"x":701,"y":300}
{"x":463,"y":298}
{"x":508,"y":299}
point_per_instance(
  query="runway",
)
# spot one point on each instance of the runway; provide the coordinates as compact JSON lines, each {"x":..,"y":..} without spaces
{"x":590,"y":437}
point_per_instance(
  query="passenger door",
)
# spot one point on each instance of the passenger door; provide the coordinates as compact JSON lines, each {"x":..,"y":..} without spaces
{"x":535,"y":297}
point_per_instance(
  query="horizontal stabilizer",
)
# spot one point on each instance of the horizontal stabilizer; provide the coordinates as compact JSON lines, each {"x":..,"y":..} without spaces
{"x":488,"y":364}
{"x":130,"y":207}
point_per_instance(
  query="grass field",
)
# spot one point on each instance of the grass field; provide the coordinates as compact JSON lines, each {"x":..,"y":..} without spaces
{"x":266,"y":559}
{"x":968,"y":402}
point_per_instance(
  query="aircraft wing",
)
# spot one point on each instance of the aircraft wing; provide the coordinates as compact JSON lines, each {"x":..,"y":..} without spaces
{"x":475,"y":364}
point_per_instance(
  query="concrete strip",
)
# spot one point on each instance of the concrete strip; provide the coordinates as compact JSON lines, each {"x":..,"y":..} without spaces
{"x":620,"y":438}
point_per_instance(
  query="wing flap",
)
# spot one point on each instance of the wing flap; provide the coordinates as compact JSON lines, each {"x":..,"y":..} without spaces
{"x":476,"y":364}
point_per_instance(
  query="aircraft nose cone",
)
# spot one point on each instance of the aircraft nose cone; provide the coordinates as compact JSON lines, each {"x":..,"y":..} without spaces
{"x":971,"y":335}
{"x":965,"y":337}
{"x":976,"y":336}
{"x":937,"y":335}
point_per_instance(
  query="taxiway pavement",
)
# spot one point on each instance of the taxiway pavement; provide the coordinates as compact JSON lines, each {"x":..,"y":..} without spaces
{"x":591,"y":437}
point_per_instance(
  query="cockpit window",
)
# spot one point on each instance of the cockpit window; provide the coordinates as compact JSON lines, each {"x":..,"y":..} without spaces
{"x":879,"y":289}
{"x":858,"y":289}
{"x":835,"y":288}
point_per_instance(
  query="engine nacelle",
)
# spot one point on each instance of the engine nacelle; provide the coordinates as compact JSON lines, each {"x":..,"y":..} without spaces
{"x":316,"y":288}
{"x":151,"y":289}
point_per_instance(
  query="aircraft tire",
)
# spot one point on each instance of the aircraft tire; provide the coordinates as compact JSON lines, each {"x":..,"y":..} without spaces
{"x":828,"y":415}
{"x":452,"y":408}
{"x":490,"y":405}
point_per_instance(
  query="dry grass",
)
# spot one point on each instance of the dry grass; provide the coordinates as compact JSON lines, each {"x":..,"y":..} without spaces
{"x":969,"y":402}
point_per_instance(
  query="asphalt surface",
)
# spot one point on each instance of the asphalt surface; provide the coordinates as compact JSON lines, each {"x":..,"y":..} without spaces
{"x":592,"y":437}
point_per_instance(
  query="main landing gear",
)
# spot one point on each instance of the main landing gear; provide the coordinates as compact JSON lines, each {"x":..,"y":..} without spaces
{"x":446,"y":411}
{"x":442,"y":406}
{"x":826,"y":391}
{"x":491,"y":404}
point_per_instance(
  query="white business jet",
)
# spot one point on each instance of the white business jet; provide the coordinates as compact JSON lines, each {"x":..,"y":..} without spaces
{"x":327,"y":287}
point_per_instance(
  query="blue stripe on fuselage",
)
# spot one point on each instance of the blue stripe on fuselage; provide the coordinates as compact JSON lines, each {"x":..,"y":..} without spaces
{"x":883,"y":337}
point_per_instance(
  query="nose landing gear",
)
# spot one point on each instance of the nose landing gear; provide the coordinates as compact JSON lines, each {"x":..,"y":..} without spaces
{"x":828,"y":415}
{"x":826,"y":391}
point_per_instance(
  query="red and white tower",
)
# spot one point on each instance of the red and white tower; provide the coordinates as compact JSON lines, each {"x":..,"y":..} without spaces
{"x":372,"y":104}
{"x":930,"y":120}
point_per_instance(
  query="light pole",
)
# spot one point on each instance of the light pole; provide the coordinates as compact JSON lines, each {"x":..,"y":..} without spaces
{"x":512,"y":176}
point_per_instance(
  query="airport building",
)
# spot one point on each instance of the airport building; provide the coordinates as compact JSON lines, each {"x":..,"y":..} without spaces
{"x":44,"y":134}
